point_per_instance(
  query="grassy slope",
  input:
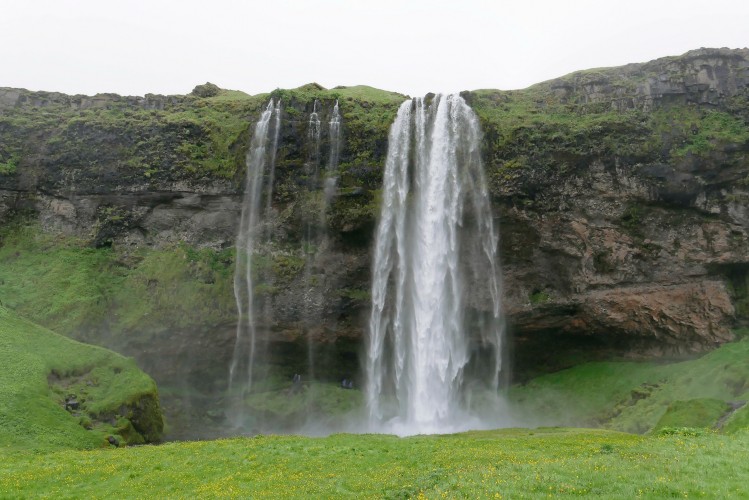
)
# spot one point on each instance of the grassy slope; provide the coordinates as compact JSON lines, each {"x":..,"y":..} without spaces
{"x":510,"y":463}
{"x":31,"y":414}
{"x":633,"y":397}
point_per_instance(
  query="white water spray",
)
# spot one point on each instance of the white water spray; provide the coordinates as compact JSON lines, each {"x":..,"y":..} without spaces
{"x":435,"y":231}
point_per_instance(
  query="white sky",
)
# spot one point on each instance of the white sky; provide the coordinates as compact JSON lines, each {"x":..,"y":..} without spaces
{"x":411,"y":46}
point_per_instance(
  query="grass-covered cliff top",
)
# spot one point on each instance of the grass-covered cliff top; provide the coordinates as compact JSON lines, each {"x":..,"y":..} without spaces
{"x":170,"y":137}
{"x":664,"y":111}
{"x":42,"y":370}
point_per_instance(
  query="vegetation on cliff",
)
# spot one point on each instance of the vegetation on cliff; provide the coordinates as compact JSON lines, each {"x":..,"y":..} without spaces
{"x":536,"y":137}
{"x":166,"y":138}
{"x":64,"y":284}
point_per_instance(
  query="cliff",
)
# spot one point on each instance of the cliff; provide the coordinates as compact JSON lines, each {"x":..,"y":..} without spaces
{"x":621,"y":195}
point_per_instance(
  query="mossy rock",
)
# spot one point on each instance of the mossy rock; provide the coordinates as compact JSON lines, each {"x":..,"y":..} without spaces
{"x":208,"y":89}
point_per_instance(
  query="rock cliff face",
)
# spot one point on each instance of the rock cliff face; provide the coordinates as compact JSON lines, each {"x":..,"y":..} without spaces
{"x":627,"y":228}
{"x":622,"y":195}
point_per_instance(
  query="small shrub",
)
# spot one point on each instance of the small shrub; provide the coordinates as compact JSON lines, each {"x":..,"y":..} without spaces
{"x":606,"y":449}
{"x":9,"y":166}
{"x":539,"y":297}
{"x":208,"y":89}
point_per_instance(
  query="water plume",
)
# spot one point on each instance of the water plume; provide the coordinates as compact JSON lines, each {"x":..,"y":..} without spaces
{"x":435,"y":231}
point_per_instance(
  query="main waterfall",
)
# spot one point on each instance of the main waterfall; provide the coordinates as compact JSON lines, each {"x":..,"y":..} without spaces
{"x":435,"y":247}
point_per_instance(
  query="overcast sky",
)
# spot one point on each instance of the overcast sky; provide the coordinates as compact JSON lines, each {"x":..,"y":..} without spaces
{"x":411,"y":46}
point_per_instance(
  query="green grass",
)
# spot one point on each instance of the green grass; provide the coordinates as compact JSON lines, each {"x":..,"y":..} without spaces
{"x":64,"y":284}
{"x":41,"y":368}
{"x":175,"y":288}
{"x":635,"y":396}
{"x":58,"y":282}
{"x":487,"y":464}
{"x":694,"y":413}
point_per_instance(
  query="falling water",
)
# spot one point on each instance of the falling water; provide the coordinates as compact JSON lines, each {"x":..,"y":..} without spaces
{"x":257,"y":161}
{"x":315,"y":242}
{"x":273,"y":151}
{"x":310,"y":243}
{"x":313,"y":135}
{"x":435,"y":231}
{"x":335,"y":152}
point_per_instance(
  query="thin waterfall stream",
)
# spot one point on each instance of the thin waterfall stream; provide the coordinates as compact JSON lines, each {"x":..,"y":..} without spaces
{"x":255,"y":234}
{"x":260,"y":159}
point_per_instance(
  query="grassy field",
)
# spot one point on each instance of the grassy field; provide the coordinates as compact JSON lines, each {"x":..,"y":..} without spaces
{"x":678,"y":403}
{"x":41,"y":369}
{"x":641,"y":396}
{"x":488,"y":464}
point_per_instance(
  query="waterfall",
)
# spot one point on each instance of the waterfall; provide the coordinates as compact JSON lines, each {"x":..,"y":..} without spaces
{"x":313,"y":135}
{"x":272,"y":169}
{"x":335,"y":151}
{"x":316,"y":242}
{"x":335,"y":137}
{"x":434,"y":235}
{"x":259,"y":158}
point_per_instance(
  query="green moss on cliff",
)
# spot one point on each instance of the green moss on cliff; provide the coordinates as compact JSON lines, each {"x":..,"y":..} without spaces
{"x":173,"y":288}
{"x":84,"y":292}
{"x":679,"y":131}
{"x":537,"y":136}
{"x":532,"y":137}
{"x":58,"y":282}
{"x":183,"y":137}
{"x":8,"y":167}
